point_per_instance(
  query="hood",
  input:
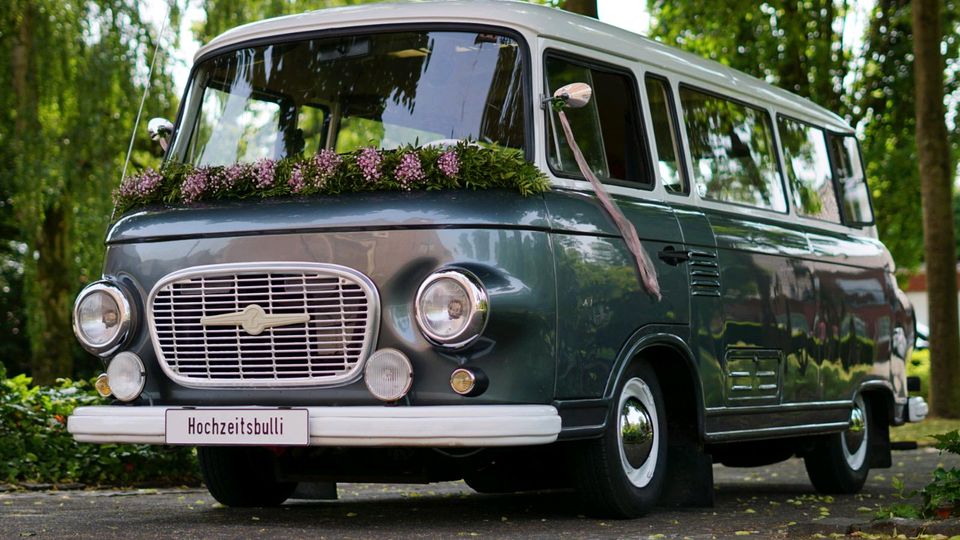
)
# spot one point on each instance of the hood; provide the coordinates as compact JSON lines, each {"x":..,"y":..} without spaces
{"x":351,"y":212}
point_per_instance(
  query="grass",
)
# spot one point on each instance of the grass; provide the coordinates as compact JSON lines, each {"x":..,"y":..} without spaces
{"x":921,"y":431}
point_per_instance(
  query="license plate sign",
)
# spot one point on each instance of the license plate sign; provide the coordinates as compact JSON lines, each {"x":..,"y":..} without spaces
{"x":240,"y":427}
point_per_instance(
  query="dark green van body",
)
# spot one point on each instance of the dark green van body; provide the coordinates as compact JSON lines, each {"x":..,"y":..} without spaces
{"x":567,"y":307}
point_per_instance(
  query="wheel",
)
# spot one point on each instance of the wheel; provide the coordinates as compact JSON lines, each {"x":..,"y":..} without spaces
{"x":621,"y":474}
{"x":840,"y":462}
{"x":242,"y":476}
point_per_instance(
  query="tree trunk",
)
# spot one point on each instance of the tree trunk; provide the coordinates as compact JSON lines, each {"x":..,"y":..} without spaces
{"x":47,"y":232}
{"x":935,"y":185}
{"x":583,"y":7}
{"x":54,"y":356}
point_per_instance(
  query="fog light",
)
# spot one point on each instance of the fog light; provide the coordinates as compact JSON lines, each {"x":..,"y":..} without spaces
{"x":388,"y":374}
{"x":462,"y":381}
{"x":103,"y":385}
{"x":126,"y":376}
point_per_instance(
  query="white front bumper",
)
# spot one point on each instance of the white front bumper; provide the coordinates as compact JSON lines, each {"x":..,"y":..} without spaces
{"x":453,"y":425}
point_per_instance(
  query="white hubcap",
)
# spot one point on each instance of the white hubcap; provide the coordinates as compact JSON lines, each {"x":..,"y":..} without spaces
{"x":637,"y":433}
{"x":855,"y":440}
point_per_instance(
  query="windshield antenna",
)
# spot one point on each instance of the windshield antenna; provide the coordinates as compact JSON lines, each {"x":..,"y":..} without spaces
{"x":146,"y":90}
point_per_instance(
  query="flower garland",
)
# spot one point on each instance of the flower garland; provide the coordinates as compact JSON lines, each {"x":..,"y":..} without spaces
{"x":328,"y":173}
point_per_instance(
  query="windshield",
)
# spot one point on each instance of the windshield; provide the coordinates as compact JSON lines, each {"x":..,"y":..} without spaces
{"x":382,"y":90}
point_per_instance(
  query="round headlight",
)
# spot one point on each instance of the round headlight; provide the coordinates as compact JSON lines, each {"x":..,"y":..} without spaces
{"x":126,"y":376}
{"x":101,"y":317}
{"x":451,"y":308}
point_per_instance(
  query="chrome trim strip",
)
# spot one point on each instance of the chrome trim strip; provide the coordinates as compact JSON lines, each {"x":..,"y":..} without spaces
{"x":370,"y":332}
{"x":742,"y":434}
{"x":813,"y":406}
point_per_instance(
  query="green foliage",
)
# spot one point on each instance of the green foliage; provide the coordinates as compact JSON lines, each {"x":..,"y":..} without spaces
{"x":941,"y":496}
{"x":944,"y":489}
{"x":489,"y":167}
{"x":72,"y":74}
{"x":919,"y":366}
{"x":222,"y":15}
{"x":35,"y":445}
{"x":791,"y":43}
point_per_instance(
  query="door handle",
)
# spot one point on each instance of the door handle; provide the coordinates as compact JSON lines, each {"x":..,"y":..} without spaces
{"x":673,"y":256}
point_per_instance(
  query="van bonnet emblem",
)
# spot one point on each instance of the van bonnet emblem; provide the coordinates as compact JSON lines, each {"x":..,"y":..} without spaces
{"x":254,"y":320}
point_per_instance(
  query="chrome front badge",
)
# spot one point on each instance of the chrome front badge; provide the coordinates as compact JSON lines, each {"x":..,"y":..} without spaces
{"x":254,"y":320}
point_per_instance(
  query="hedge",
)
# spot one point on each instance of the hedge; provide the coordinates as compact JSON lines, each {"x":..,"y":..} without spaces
{"x":35,"y":445}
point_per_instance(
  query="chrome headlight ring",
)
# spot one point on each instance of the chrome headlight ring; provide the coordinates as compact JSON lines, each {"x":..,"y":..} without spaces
{"x":119,"y":320}
{"x":467,"y":305}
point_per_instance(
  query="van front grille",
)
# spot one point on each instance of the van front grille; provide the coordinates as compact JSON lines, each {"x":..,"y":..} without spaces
{"x":263,"y":325}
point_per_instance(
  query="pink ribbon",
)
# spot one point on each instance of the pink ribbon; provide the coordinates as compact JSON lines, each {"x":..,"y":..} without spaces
{"x":648,"y":274}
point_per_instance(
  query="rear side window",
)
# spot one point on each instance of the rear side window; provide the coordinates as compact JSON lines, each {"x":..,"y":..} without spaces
{"x":732,"y":150}
{"x":607,"y":129}
{"x":851,"y":182}
{"x":807,"y":165}
{"x":665,"y":134}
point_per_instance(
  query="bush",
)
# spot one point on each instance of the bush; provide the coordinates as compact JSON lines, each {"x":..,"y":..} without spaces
{"x":919,"y":366}
{"x":940,"y":497}
{"x":35,"y":445}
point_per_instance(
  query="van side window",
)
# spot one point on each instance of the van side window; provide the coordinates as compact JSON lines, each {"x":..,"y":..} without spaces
{"x":807,"y":165}
{"x":607,"y":129}
{"x":665,"y":134}
{"x":851,"y":182}
{"x":732,"y":151}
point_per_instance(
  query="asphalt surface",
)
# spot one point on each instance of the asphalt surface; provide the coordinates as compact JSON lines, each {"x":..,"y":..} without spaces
{"x":767,"y":502}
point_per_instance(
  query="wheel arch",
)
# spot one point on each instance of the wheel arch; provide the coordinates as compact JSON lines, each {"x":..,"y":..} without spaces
{"x":673,"y":362}
{"x":881,"y":397}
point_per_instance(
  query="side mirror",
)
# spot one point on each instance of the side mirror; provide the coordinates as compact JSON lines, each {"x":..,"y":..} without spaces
{"x":573,"y":95}
{"x":160,"y":130}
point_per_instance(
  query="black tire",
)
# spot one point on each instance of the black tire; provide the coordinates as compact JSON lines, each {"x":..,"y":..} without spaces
{"x":840,"y":462}
{"x":608,"y":484}
{"x":242,"y":476}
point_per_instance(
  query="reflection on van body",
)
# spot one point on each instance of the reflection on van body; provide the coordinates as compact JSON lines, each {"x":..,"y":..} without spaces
{"x":505,"y":340}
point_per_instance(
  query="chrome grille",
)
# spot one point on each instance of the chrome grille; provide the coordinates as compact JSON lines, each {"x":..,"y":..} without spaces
{"x":341,"y":306}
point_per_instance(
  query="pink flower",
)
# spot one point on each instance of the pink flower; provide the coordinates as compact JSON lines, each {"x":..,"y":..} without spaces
{"x":327,"y":162}
{"x":195,"y":185}
{"x":449,"y":163}
{"x":369,"y":163}
{"x":410,"y":170}
{"x":264,"y":172}
{"x":296,"y":181}
{"x":139,"y":186}
{"x":232,"y":174}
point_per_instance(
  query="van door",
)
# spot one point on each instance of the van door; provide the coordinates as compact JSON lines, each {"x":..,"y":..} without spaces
{"x":601,"y":301}
{"x":702,"y":268}
{"x":763,"y":280}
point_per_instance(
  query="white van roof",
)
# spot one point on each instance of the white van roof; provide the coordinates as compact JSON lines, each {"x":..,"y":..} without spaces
{"x":541,"y":20}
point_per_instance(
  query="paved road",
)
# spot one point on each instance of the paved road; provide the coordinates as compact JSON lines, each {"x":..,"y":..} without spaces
{"x":775,"y":501}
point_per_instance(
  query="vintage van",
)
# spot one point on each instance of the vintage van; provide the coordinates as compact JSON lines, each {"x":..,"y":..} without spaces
{"x":508,"y":337}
